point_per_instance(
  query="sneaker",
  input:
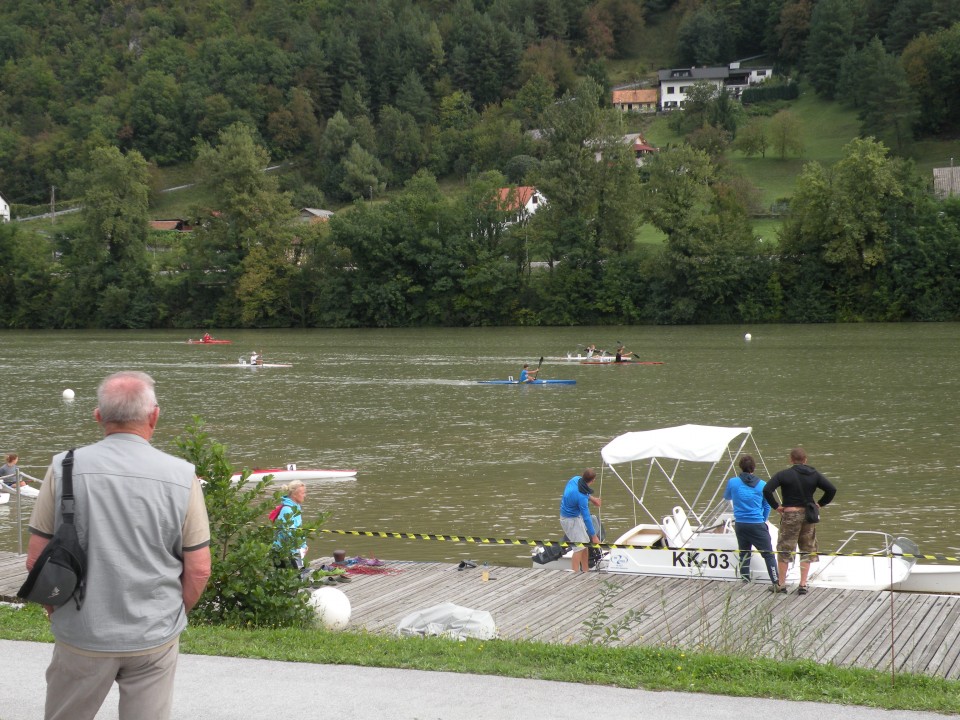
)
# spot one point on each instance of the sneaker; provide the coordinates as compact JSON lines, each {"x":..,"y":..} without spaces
{"x":802,"y":590}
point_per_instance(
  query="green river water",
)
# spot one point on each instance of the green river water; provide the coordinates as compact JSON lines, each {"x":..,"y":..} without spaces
{"x":876,"y":407}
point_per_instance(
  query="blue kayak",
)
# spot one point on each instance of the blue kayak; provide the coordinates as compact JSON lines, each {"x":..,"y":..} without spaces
{"x":533,"y":382}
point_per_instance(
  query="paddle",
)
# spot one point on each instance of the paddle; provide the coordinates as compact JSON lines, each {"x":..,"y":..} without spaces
{"x":537,"y":376}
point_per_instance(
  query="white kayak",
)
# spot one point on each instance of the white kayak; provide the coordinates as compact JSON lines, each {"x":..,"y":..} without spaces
{"x":291,"y":473}
{"x":25,"y":491}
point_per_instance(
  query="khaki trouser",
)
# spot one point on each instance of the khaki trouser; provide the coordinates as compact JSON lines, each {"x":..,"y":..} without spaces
{"x":77,"y":684}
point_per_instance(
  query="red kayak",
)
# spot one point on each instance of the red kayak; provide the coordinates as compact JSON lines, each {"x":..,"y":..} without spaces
{"x":209,"y":341}
{"x":622,"y":362}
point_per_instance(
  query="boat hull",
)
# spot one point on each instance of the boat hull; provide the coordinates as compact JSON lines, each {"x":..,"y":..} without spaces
{"x":209,"y":342}
{"x":251,"y":365}
{"x":25,"y":491}
{"x":532,"y":382}
{"x":937,"y":579}
{"x":281,"y":475}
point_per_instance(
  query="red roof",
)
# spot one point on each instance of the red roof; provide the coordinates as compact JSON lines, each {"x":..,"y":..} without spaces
{"x":516,"y":198}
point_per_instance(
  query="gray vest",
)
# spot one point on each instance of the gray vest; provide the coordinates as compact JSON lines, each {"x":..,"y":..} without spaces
{"x":131,"y":502}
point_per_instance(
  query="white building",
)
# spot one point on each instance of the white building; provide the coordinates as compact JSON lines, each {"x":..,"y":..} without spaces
{"x":4,"y":209}
{"x":675,"y":82}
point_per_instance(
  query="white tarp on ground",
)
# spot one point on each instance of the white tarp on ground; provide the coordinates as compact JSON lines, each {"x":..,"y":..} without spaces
{"x":697,"y":443}
{"x":450,"y":620}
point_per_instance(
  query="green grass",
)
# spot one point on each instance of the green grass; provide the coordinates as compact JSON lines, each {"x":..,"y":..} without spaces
{"x":632,"y":667}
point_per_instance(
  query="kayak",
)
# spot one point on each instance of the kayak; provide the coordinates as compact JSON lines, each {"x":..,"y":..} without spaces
{"x":611,"y":361}
{"x":25,"y":490}
{"x":285,"y":475}
{"x":191,"y":341}
{"x":254,"y":365}
{"x":532,"y":382}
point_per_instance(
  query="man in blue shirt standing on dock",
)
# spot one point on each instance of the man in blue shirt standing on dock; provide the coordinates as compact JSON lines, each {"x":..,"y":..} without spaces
{"x":575,"y":516}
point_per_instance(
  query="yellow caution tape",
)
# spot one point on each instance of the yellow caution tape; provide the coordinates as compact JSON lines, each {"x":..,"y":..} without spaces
{"x":562,"y":544}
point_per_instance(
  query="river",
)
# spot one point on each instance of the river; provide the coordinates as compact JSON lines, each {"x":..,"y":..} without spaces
{"x":874,"y":405}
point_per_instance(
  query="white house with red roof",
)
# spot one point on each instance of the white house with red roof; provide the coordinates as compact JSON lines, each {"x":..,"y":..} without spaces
{"x":522,"y":202}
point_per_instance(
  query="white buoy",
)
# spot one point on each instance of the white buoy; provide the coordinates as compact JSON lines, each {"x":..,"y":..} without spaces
{"x":748,"y":337}
{"x":332,"y":607}
{"x":68,"y":394}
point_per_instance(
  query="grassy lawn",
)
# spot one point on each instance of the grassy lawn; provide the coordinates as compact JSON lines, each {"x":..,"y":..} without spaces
{"x":630,"y":667}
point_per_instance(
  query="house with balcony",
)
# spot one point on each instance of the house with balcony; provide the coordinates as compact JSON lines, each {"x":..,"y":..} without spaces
{"x":675,"y":82}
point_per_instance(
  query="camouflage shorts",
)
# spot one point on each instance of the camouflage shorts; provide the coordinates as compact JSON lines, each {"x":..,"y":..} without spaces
{"x":794,"y":533}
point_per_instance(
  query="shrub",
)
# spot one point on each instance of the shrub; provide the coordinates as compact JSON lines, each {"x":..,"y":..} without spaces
{"x":247,"y":588}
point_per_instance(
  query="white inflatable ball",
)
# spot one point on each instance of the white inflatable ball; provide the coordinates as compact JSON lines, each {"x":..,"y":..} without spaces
{"x":68,"y":394}
{"x":748,"y":337}
{"x":332,"y":607}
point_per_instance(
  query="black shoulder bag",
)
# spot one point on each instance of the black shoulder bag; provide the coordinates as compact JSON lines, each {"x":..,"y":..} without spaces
{"x":811,"y":511}
{"x":58,"y":573}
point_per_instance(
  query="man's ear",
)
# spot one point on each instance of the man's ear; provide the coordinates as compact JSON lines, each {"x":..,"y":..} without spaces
{"x":96,"y":414}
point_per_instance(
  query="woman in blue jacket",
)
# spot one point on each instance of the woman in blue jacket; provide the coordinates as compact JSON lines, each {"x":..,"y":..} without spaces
{"x":750,"y":511}
{"x":290,"y":518}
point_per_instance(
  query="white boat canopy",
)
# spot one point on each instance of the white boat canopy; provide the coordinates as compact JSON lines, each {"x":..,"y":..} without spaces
{"x":666,"y":449}
{"x":696,"y":443}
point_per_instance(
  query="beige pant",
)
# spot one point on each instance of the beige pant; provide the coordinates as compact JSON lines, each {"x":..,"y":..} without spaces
{"x":77,"y":684}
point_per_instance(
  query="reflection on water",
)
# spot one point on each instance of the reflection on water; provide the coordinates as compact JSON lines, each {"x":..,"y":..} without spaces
{"x":875,"y":406}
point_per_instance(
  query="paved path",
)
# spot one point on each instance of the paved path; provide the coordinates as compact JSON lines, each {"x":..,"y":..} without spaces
{"x":219,"y":688}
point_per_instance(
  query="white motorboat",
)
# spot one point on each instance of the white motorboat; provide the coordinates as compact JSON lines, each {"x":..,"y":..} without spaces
{"x":290,"y":473}
{"x":687,"y":467}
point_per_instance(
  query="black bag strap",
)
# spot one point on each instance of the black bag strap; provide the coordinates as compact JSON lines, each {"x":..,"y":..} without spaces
{"x":67,"y":502}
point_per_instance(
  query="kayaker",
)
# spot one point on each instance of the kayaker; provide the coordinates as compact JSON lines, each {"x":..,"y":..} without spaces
{"x":9,"y":472}
{"x":206,"y":337}
{"x":621,"y":353}
{"x":256,"y":358}
{"x":528,"y":375}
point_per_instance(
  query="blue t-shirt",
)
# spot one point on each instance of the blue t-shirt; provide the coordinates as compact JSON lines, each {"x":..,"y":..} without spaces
{"x":575,"y":503}
{"x":524,"y":376}
{"x":749,"y":506}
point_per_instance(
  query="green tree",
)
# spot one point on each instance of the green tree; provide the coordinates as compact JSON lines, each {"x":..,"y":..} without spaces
{"x":785,"y":134}
{"x":362,"y":174}
{"x":752,"y":139}
{"x":676,"y":188}
{"x":831,"y":36}
{"x":108,"y":267}
{"x":240,"y":256}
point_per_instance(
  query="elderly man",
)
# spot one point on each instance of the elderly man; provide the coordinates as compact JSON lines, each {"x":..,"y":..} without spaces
{"x":141,"y":516}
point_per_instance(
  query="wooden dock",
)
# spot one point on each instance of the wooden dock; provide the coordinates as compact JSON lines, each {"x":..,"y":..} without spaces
{"x":916,"y":633}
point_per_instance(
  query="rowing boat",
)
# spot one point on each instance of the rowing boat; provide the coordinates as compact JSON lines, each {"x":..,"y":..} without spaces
{"x":291,"y":473}
{"x":530,"y":382}
{"x":211,"y":341}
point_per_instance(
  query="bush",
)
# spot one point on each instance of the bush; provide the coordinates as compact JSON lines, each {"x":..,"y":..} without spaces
{"x":247,"y":588}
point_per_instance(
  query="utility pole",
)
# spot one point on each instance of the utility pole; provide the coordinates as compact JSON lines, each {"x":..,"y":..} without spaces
{"x":53,"y":204}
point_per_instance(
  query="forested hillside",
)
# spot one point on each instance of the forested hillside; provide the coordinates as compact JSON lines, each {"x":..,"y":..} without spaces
{"x":391,"y":101}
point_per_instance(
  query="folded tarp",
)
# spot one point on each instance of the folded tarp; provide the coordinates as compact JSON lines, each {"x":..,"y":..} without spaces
{"x":449,"y":620}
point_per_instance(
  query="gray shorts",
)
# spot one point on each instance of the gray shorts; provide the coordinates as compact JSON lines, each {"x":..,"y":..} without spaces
{"x":574,"y":528}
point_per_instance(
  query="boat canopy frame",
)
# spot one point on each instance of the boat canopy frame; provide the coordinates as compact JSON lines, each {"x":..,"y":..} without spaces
{"x":661,"y":453}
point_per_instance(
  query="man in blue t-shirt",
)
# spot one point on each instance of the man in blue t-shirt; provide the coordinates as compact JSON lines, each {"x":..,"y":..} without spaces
{"x":575,"y":516}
